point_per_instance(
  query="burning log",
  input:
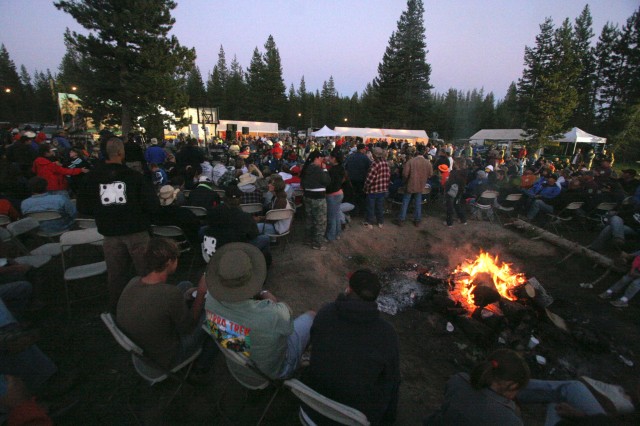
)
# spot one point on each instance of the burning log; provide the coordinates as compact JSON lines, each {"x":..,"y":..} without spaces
{"x":568,"y":245}
{"x":477,"y":332}
{"x":484,"y":295}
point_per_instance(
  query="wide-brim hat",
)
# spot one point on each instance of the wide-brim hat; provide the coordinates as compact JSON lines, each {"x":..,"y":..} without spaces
{"x":236,"y":272}
{"x":168,"y":195}
{"x":378,"y":152}
{"x":246,"y":179}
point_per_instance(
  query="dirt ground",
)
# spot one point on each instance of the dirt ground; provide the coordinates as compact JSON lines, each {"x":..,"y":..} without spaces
{"x":110,"y":392}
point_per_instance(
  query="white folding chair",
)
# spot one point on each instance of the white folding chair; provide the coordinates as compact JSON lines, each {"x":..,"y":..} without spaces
{"x":146,"y":368}
{"x":4,"y":219}
{"x":198,"y":211}
{"x":252,"y":208}
{"x":29,"y":225}
{"x":564,"y":216}
{"x":509,"y":204}
{"x":177,"y":234}
{"x":280,"y":214}
{"x":86,"y":223}
{"x":79,"y":272}
{"x":484,"y":203}
{"x":46,"y":216}
{"x":327,"y":407}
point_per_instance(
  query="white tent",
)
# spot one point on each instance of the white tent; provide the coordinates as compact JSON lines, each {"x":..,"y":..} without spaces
{"x":325,"y":132}
{"x":497,"y":135}
{"x":405,"y":134}
{"x":363,"y":132}
{"x":576,"y":136}
{"x":366,"y":132}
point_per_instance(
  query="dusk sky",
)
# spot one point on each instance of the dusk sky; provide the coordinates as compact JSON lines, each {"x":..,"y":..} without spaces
{"x":471,"y":43}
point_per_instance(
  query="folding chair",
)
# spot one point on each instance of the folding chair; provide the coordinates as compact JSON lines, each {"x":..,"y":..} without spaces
{"x":327,"y":407}
{"x":280,"y":214}
{"x":79,"y":272}
{"x":46,"y":216}
{"x":261,"y":380}
{"x":597,"y":215}
{"x":564,"y":216}
{"x":509,"y":204}
{"x":175,"y":233}
{"x":489,"y":198}
{"x":298,"y":194}
{"x":4,"y":219}
{"x":146,"y":368}
{"x":86,"y":223}
{"x":198,"y":211}
{"x":35,"y":261}
{"x":25,"y":226}
{"x":252,"y":208}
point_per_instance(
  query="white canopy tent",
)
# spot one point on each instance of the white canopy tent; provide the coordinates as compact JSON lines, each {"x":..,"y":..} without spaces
{"x":366,"y":132}
{"x":576,"y":136}
{"x":325,"y":132}
{"x":496,"y":135}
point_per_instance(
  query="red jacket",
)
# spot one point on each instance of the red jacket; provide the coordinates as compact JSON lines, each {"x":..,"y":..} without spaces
{"x":53,"y":173}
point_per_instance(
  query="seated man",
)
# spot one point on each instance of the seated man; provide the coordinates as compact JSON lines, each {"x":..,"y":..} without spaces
{"x":351,"y":329}
{"x":557,"y":203}
{"x":243,"y":317}
{"x":155,"y":314}
{"x":41,"y":200}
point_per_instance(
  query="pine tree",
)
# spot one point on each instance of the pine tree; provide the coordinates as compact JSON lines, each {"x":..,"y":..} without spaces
{"x":507,"y":110}
{"x":609,"y":63}
{"x":217,"y":83}
{"x":195,"y":88}
{"x":236,"y":97}
{"x":12,"y":107}
{"x":29,"y":97}
{"x":274,"y":99}
{"x":135,"y":66}
{"x":45,"y":107}
{"x":256,"y":86}
{"x":402,"y":85}
{"x":583,"y":116}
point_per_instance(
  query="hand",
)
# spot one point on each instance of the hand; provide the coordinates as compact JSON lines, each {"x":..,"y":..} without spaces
{"x":188,"y":295}
{"x":266,"y":295}
{"x":84,"y":170}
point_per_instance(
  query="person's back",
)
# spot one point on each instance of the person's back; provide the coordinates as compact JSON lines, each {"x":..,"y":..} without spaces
{"x":351,"y":329}
{"x":42,"y":201}
{"x":357,"y":166}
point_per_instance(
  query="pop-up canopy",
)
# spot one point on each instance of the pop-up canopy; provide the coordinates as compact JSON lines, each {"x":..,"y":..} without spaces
{"x":576,"y":136}
{"x":325,"y":132}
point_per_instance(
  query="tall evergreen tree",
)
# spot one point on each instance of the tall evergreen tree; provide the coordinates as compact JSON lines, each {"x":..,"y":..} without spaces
{"x":507,"y":110}
{"x":45,"y":106}
{"x":256,"y":86}
{"x":134,"y":66}
{"x":274,"y":99}
{"x":217,"y":83}
{"x":236,"y":96}
{"x":195,"y":88}
{"x":609,"y":64}
{"x":12,"y":107}
{"x":29,"y":98}
{"x":583,"y":116}
{"x":402,"y":85}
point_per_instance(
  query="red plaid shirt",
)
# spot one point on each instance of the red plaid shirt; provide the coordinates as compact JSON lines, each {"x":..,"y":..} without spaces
{"x":378,"y":177}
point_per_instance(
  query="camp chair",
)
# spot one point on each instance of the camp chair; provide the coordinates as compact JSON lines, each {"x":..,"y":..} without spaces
{"x":564,"y":216}
{"x":25,"y":226}
{"x":327,"y":407}
{"x":252,"y":208}
{"x":146,"y":368}
{"x":509,"y":204}
{"x":79,"y":272}
{"x":488,"y":199}
{"x":260,"y":381}
{"x":281,"y":214}
{"x":46,"y":216}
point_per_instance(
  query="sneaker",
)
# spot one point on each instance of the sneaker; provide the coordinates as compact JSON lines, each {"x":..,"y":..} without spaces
{"x":398,"y":222}
{"x":464,"y":223}
{"x":319,"y":247}
{"x":619,"y":303}
{"x":605,"y":295}
{"x":367,"y":225}
{"x":380,"y":225}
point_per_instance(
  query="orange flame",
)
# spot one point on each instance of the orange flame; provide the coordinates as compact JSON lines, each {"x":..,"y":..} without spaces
{"x":504,"y":279}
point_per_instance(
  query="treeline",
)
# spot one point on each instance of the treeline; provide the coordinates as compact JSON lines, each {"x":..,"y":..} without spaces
{"x":567,"y":80}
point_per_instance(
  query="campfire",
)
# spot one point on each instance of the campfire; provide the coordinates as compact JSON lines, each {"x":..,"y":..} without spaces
{"x":481,"y":282}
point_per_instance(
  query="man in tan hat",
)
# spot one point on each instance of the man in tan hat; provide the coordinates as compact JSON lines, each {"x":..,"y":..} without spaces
{"x":415,"y":174}
{"x":250,"y":192}
{"x":376,"y":186}
{"x":243,"y":317}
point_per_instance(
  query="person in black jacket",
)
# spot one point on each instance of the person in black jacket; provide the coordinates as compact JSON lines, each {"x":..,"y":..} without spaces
{"x":122,"y":202}
{"x":351,"y":329}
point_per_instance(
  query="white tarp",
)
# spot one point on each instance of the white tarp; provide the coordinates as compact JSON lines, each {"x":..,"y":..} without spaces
{"x":366,"y":132}
{"x":576,"y":135}
{"x":325,"y":132}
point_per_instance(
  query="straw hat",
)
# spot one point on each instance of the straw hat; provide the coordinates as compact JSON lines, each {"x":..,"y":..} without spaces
{"x":168,"y":195}
{"x":246,"y":179}
{"x":236,"y":272}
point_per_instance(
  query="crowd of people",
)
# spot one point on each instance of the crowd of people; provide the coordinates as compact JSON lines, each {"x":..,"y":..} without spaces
{"x":127,"y":187}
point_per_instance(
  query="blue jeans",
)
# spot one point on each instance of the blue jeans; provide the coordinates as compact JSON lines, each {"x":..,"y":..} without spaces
{"x":333,"y":216}
{"x":267,"y":228}
{"x":616,"y":229}
{"x":375,"y":207}
{"x":31,"y":365}
{"x":406,"y":199}
{"x":297,"y":342}
{"x":535,"y":208}
{"x":633,"y":284}
{"x":553,"y":392}
{"x":17,"y":295}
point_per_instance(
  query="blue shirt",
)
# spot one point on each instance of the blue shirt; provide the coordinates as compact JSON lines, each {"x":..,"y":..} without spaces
{"x":51,"y":202}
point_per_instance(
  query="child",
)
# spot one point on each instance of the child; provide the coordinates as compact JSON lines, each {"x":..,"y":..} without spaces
{"x":631,"y":281}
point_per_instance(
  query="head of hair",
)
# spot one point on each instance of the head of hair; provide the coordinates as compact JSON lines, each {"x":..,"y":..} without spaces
{"x":114,"y":148}
{"x":232,"y":196}
{"x":38,"y":185}
{"x":365,"y":284}
{"x":44,"y":149}
{"x":492,"y":177}
{"x":278,"y":184}
{"x":337,"y":154}
{"x":160,"y":251}
{"x":459,"y":163}
{"x":503,"y":365}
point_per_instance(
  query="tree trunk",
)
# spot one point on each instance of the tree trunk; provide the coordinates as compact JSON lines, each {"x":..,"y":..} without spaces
{"x":569,"y":245}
